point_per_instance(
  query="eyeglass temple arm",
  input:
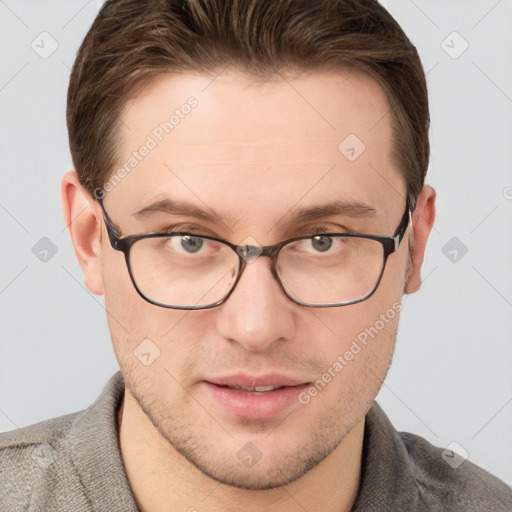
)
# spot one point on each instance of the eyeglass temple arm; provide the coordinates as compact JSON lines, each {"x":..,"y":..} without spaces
{"x":400,"y":232}
{"x":113,"y":234}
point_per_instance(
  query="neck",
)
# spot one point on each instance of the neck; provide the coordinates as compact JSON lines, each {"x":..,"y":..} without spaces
{"x":162,"y":479}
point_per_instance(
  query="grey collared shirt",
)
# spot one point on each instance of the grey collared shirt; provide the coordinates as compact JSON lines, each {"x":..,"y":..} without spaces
{"x":73,"y":463}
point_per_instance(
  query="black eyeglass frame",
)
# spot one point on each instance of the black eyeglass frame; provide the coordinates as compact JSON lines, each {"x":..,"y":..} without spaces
{"x":390,"y":245}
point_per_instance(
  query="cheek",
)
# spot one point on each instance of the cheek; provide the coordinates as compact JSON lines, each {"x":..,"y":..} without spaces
{"x":147,"y":338}
{"x":374,"y":335}
{"x":356,"y":364}
{"x":114,"y":269}
{"x":122,"y":302}
{"x":359,"y":348}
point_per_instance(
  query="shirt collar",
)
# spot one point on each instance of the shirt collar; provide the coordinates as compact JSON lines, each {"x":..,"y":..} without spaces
{"x":95,"y":452}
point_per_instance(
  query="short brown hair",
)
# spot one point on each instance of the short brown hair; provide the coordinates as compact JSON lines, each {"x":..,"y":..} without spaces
{"x":134,"y":41}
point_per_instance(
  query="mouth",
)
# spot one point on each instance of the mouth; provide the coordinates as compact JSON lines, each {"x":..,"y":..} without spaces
{"x":257,"y":390}
{"x":255,"y":398}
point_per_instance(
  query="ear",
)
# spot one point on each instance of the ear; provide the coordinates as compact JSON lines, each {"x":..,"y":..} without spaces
{"x":84,"y":223}
{"x":423,"y":219}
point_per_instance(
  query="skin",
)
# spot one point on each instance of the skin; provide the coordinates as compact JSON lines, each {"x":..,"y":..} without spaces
{"x":253,"y":153}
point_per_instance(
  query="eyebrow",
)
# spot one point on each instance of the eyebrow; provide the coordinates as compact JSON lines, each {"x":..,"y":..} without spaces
{"x":356,"y":210}
{"x":352,"y":209}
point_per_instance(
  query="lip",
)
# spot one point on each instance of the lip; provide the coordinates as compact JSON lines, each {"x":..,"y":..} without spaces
{"x":255,"y":406}
{"x":251,"y":381}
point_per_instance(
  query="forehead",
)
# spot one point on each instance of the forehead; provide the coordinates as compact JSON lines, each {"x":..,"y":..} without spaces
{"x":258,"y":148}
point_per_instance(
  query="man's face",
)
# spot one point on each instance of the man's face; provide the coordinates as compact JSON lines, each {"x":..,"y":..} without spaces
{"x":254,"y":154}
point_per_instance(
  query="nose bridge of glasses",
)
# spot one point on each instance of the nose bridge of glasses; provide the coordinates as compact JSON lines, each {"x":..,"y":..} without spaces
{"x":249,"y":253}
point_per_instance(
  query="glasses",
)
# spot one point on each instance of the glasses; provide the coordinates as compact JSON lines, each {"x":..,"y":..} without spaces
{"x":181,"y":270}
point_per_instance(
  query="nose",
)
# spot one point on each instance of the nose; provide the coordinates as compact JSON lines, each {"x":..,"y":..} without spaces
{"x":257,"y":313}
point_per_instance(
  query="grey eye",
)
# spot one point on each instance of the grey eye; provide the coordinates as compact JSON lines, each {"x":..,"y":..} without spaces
{"x":321,"y":243}
{"x":191,"y":244}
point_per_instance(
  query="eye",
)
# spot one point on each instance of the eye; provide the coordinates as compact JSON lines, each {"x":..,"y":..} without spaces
{"x":318,"y":241}
{"x":186,"y":244}
{"x":321,"y":243}
{"x":191,"y":244}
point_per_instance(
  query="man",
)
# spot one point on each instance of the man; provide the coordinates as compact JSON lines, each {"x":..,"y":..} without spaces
{"x":249,"y":198}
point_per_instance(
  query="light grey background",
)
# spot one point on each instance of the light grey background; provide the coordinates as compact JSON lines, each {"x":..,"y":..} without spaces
{"x":451,"y":378}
